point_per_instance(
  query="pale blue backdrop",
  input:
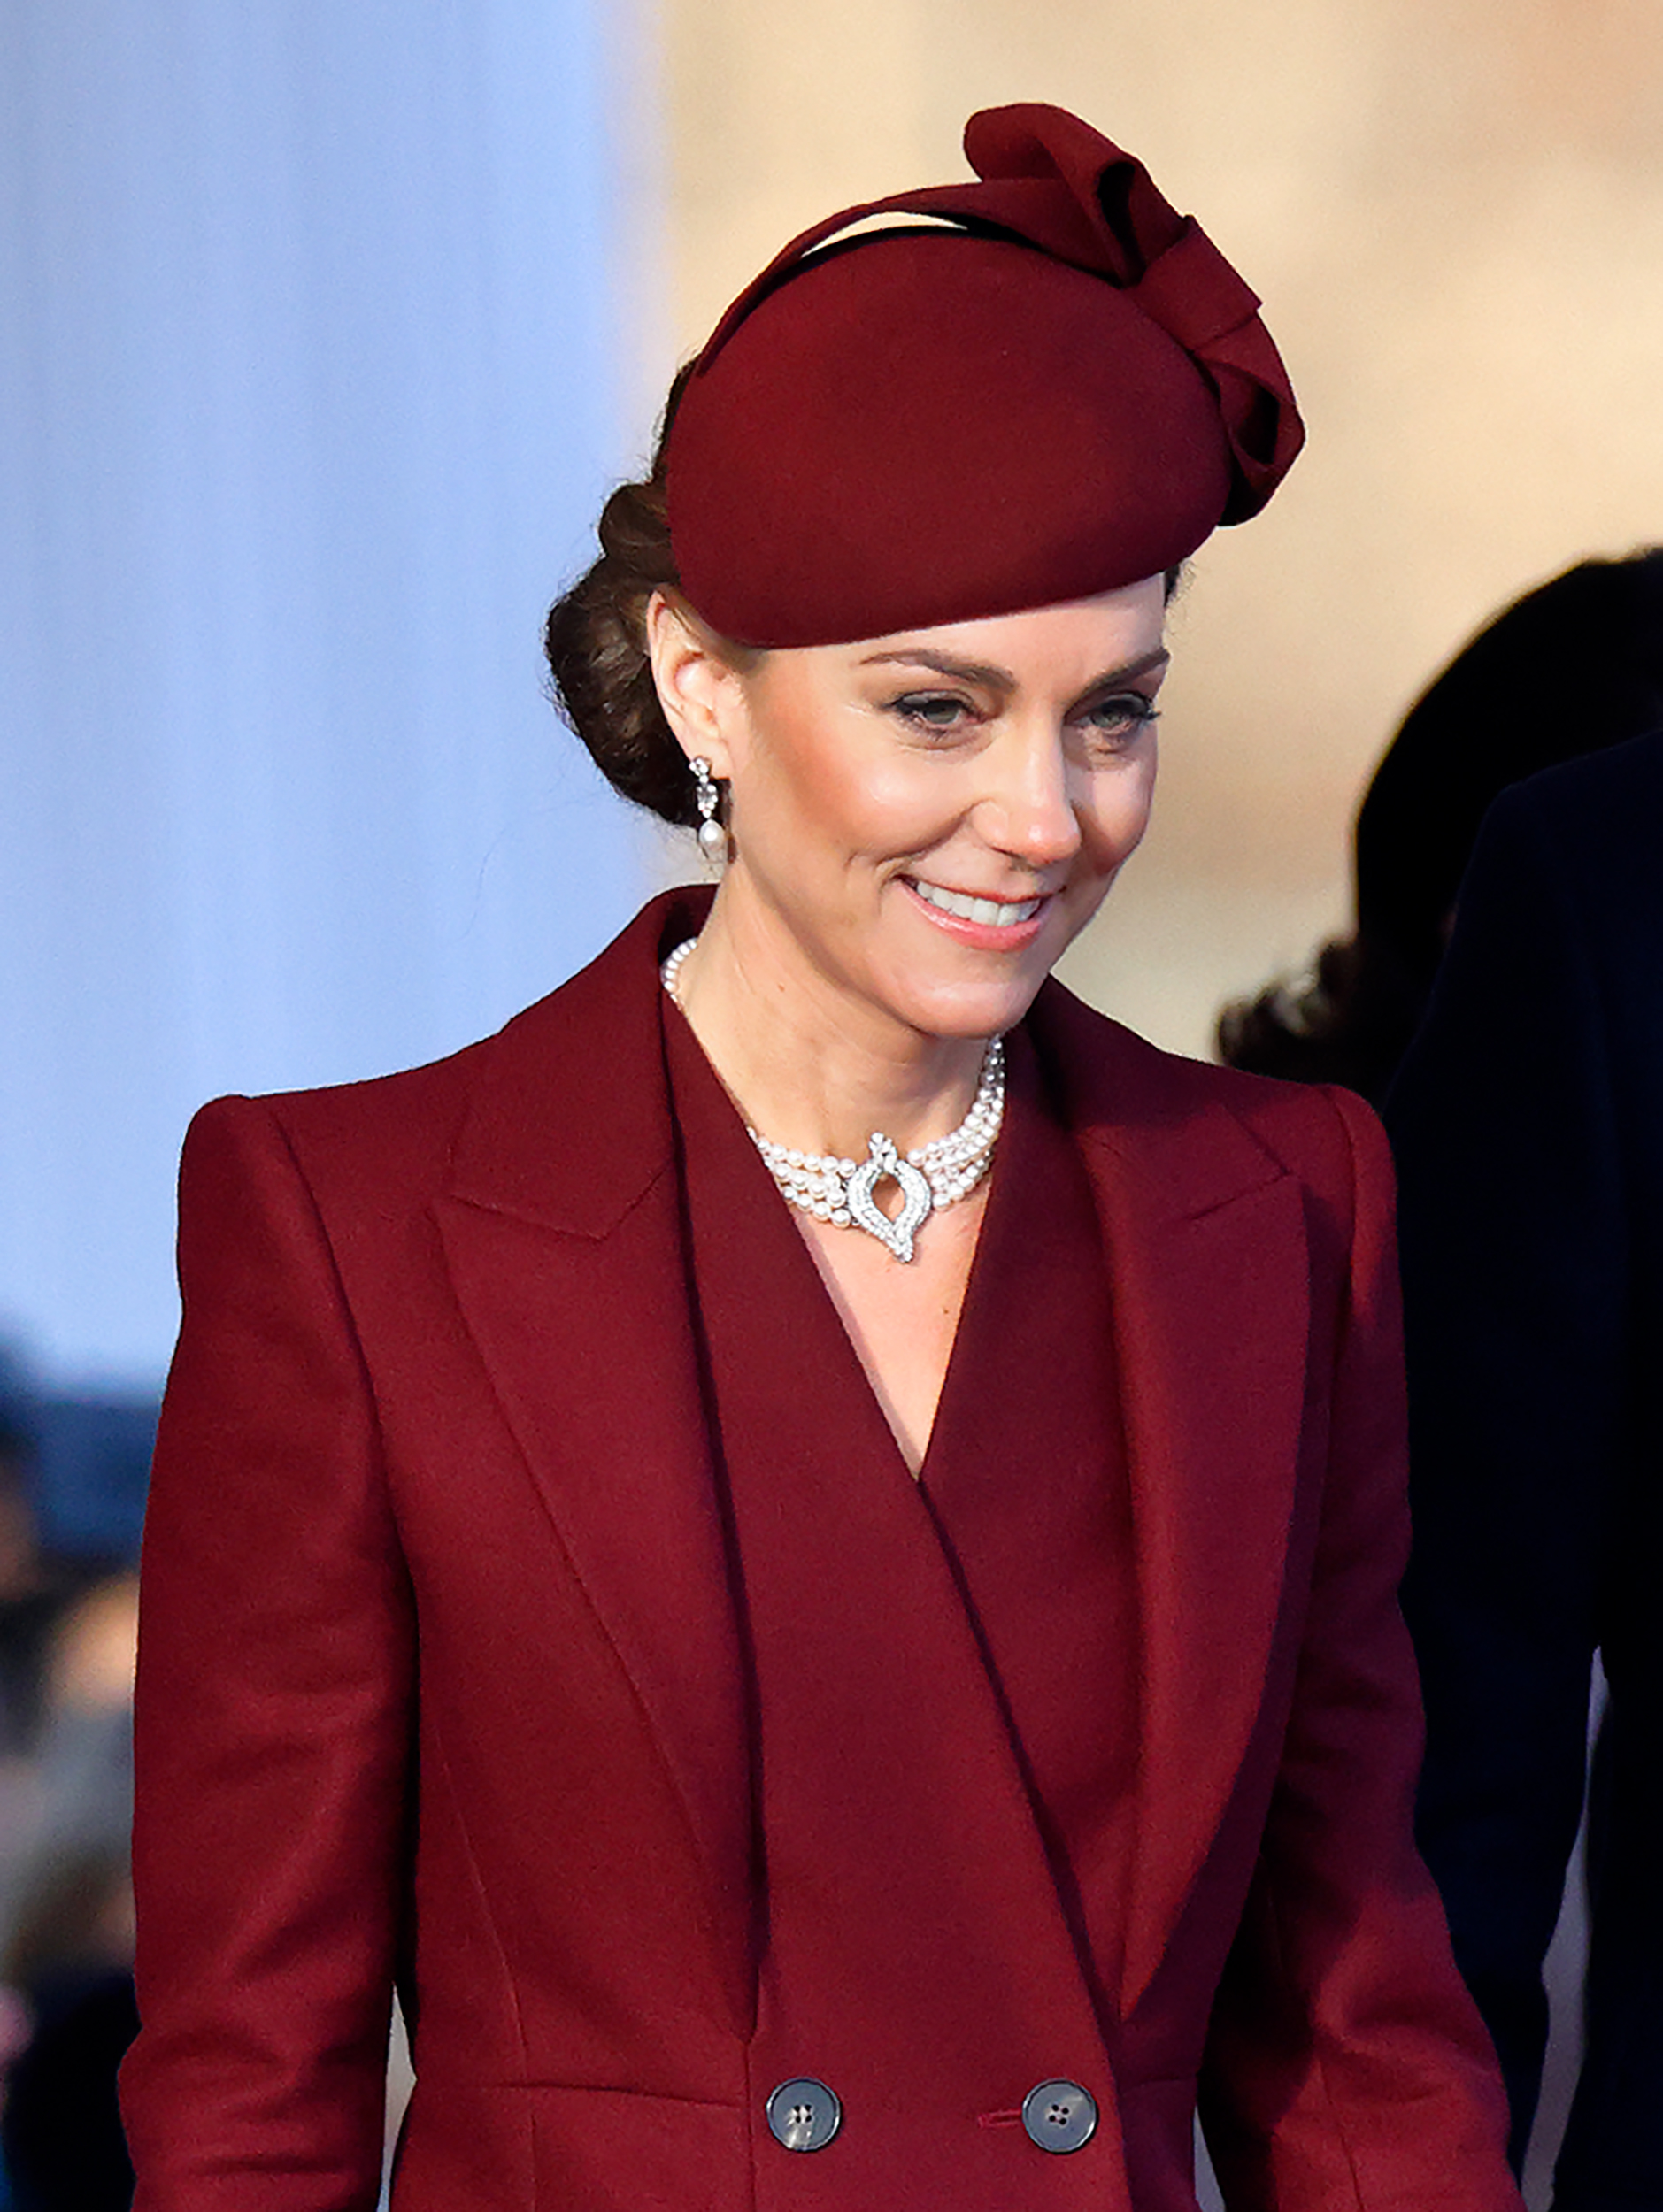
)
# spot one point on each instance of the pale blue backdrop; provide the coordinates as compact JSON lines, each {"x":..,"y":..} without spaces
{"x":311,"y":334}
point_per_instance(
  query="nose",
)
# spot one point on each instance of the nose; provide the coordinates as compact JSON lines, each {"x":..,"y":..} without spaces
{"x":1029,"y":811}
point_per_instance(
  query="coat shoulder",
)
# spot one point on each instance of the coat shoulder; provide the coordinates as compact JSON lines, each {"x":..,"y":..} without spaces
{"x":1606,"y":799}
{"x":386,"y":1132}
{"x":569,"y":1060}
{"x":1120,"y":1083}
{"x":1584,"y":836}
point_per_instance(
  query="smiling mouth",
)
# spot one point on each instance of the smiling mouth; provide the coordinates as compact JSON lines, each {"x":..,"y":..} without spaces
{"x":992,"y":913}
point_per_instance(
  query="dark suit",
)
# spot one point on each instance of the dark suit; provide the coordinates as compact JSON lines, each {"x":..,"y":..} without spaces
{"x":441,"y":1678}
{"x":1528,"y":1128}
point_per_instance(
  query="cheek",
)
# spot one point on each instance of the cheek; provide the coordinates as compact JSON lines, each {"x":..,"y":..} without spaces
{"x":790,"y":799}
{"x":1115,"y":826}
{"x":797,"y":759}
{"x":902,"y":800}
{"x":858,"y":805}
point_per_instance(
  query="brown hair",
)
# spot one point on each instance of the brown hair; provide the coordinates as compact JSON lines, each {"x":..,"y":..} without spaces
{"x":595,"y":641}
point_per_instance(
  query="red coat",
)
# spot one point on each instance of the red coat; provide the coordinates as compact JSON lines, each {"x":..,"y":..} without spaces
{"x":441,"y":1678}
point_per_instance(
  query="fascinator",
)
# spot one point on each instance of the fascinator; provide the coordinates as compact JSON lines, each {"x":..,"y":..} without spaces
{"x":995,"y":394}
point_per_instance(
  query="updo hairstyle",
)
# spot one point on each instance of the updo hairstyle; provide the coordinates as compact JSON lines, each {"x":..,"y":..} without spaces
{"x":595,"y":641}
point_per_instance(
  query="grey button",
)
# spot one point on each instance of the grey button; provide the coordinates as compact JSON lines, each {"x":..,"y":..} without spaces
{"x":804,"y":2115}
{"x":1060,"y":2116}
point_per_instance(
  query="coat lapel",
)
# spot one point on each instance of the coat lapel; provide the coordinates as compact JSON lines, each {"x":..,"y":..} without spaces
{"x":562,"y":1230}
{"x":1204,"y":1237}
{"x":564,"y":1236}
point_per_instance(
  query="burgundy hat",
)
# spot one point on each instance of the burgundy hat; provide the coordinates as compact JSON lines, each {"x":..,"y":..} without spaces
{"x":1051,"y":386}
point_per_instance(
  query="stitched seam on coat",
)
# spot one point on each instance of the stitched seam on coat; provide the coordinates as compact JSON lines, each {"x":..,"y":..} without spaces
{"x":684,"y":1807}
{"x":481,"y":1892}
{"x":325,"y":1243}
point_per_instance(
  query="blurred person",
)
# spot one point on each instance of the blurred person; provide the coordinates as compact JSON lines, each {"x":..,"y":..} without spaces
{"x":66,"y":1634}
{"x":34,"y":1588}
{"x":84,"y":1761}
{"x":68,"y":1961}
{"x":802,"y":1546}
{"x":1572,"y":666}
{"x":1528,"y":1123}
{"x":92,"y":1467}
{"x":71,"y":1472}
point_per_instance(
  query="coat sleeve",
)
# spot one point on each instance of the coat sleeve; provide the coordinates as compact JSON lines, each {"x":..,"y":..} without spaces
{"x":1346,"y":2065}
{"x":273,"y":1717}
{"x":1516,"y":1270}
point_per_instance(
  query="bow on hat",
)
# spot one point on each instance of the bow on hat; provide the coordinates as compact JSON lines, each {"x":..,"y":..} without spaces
{"x":1051,"y":181}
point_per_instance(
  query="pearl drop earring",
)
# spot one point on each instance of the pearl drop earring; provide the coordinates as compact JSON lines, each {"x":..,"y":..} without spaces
{"x":712,"y":838}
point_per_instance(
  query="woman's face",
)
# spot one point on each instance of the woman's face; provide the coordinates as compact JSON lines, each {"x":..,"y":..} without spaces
{"x":922,"y":823}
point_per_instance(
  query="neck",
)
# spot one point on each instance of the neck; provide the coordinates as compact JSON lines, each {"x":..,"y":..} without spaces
{"x":809,"y":1063}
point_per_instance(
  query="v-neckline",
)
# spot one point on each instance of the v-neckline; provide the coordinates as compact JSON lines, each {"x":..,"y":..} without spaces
{"x":701,"y":1096}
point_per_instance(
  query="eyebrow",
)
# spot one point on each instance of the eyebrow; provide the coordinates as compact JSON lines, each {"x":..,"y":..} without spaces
{"x":995,"y":679}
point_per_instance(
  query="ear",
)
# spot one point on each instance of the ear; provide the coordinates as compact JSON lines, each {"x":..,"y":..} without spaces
{"x":698,"y":687}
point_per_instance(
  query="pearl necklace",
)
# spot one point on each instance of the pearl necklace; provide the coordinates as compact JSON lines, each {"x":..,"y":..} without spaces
{"x":930,"y":1177}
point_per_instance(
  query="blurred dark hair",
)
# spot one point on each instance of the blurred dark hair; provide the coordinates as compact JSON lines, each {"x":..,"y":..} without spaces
{"x":1570,"y":668}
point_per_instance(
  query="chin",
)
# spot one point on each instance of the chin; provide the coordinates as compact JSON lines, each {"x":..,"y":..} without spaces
{"x":969,"y":1012}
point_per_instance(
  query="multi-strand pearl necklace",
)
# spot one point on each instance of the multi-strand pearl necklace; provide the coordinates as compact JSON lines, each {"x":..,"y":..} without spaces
{"x":930,"y":1177}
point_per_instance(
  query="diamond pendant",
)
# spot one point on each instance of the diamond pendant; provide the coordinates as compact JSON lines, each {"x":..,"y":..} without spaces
{"x":882,"y":1159}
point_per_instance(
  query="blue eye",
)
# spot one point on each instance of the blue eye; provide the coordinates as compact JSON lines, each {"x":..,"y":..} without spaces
{"x":929,"y":710}
{"x":1122,"y":714}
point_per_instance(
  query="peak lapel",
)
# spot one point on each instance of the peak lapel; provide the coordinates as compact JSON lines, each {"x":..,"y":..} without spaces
{"x":1209,"y":1272}
{"x":563,"y":1235}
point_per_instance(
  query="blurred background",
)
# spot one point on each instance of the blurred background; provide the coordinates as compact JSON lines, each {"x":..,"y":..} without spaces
{"x":323,"y":330}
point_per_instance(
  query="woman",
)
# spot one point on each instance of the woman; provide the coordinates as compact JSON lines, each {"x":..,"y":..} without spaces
{"x":859,"y":1701}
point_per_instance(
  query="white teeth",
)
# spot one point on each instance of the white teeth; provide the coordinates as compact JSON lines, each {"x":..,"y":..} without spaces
{"x":994,"y":912}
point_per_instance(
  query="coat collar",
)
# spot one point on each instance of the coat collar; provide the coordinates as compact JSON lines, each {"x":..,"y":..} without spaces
{"x":584,"y":1064}
{"x":564,"y":1233}
{"x":569,"y":1120}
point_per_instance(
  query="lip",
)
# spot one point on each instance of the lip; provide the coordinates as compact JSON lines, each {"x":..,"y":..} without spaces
{"x":982,"y":936}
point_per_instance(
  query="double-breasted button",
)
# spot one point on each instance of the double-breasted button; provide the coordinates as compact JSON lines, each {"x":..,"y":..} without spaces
{"x":804,"y":2115}
{"x":1060,"y":2116}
